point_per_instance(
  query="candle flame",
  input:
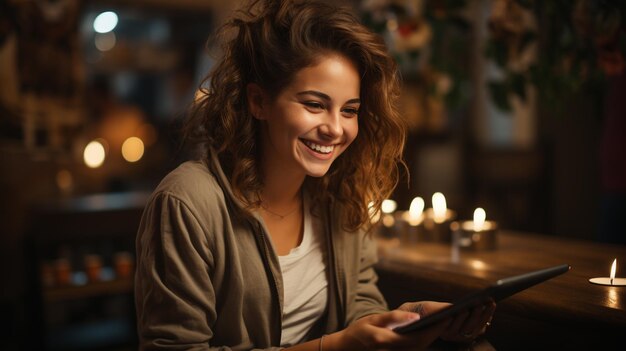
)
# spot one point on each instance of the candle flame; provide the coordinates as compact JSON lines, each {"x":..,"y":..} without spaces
{"x":439,"y":207}
{"x":416,"y":208}
{"x":389,"y":206}
{"x":613,"y":266}
{"x":479,"y":219}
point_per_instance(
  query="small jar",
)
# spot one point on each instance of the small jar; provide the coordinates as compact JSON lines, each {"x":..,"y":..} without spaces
{"x":124,"y":263}
{"x":93,"y":268}
{"x":62,"y":272}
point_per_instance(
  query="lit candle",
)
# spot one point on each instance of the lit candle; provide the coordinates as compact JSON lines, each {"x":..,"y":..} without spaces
{"x":416,"y":211}
{"x":439,"y":207}
{"x":410,"y":222}
{"x":437,"y":220}
{"x":388,"y":227}
{"x":479,"y":219}
{"x":477,"y":234}
{"x":611,"y":280}
{"x":613,"y":270}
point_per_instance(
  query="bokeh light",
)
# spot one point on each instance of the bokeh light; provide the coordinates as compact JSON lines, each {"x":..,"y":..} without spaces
{"x":105,"y":41}
{"x":94,"y":154}
{"x":132,"y":149}
{"x":105,"y":22}
{"x":64,"y":180}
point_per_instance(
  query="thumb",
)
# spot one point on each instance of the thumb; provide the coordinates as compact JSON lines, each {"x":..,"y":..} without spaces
{"x":394,"y":319}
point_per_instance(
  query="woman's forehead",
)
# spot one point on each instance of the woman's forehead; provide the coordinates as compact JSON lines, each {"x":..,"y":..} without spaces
{"x":333,"y":75}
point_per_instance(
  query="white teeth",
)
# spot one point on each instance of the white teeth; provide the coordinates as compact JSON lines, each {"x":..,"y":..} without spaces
{"x":319,"y":148}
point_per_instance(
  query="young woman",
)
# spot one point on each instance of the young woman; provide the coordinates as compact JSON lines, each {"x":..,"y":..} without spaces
{"x":263,"y":243}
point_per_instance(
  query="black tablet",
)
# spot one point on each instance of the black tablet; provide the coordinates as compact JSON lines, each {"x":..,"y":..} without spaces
{"x":497,"y":291}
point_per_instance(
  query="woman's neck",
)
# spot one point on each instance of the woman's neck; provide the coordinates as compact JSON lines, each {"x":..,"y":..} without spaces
{"x":281,"y":184}
{"x":281,"y":193}
{"x":282,"y":208}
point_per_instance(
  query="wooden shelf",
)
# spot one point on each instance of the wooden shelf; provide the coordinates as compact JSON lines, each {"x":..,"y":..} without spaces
{"x":82,"y":315}
{"x":73,"y":292}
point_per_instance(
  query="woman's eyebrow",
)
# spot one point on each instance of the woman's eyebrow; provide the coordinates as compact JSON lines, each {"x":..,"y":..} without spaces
{"x":323,"y":96}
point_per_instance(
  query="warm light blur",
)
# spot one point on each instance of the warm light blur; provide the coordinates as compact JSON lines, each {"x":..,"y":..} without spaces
{"x":389,"y":206}
{"x":613,"y":299}
{"x":94,"y":154}
{"x":105,"y":22}
{"x":613,"y":268}
{"x":105,"y":41}
{"x":64,"y":180}
{"x":416,"y":208}
{"x":439,"y":207}
{"x":478,"y":264}
{"x":388,"y":221}
{"x":479,"y":219}
{"x":132,"y":149}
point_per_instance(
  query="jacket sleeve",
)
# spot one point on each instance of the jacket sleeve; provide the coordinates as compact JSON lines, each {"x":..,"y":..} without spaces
{"x":174,"y":295}
{"x":366,"y":299}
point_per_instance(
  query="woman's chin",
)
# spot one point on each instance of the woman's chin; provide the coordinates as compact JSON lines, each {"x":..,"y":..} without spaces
{"x":317,"y":172}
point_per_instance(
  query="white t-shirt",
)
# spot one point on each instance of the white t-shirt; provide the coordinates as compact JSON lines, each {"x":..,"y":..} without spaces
{"x":305,"y":282}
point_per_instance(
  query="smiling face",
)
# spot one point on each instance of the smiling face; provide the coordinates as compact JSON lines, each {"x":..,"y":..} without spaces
{"x":311,"y":121}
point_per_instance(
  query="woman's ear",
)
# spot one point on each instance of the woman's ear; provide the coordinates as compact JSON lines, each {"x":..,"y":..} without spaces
{"x":255,"y":96}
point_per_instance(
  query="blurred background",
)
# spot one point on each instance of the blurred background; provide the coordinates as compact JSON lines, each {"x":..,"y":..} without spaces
{"x":516,"y":106}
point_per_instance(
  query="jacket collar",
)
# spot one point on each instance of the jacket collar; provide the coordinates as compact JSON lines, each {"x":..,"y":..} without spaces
{"x":336,"y":278}
{"x":261,"y":237}
{"x":238,"y":207}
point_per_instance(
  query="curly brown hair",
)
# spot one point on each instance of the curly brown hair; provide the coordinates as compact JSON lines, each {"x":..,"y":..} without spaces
{"x":266,"y":44}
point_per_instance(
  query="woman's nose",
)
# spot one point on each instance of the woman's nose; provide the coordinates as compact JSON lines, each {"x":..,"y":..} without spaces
{"x":331,"y":127}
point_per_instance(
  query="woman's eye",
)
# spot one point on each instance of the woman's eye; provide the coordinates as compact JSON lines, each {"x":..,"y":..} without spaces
{"x":351,"y":111}
{"x":313,"y":105}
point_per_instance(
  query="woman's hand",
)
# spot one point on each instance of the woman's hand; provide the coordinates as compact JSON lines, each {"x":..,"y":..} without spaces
{"x":463,"y":327}
{"x":374,"y":333}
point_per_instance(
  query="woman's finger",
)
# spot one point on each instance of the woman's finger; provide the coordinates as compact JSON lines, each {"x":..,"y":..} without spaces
{"x":394,"y":318}
{"x":457,"y":326}
{"x":472,"y":324}
{"x":486,"y":317}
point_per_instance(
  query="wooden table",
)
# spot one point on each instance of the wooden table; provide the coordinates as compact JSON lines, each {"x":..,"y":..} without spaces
{"x":565,"y":313}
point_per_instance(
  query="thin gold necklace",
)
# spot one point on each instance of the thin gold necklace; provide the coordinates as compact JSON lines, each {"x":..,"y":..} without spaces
{"x":265,"y":208}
